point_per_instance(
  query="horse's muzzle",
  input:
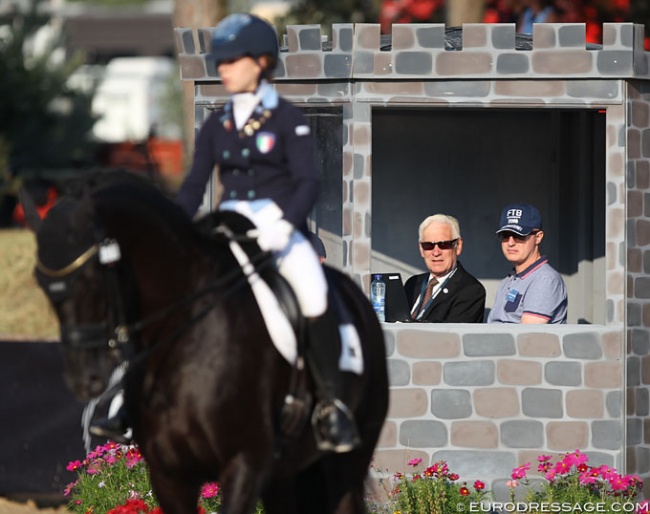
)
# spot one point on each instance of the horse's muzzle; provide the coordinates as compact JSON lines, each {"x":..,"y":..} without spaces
{"x":88,"y":359}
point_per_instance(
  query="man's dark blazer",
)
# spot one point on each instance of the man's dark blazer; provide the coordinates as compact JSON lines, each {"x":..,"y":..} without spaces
{"x":461,"y":300}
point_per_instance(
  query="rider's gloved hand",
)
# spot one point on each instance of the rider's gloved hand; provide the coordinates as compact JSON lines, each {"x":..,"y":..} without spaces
{"x":275,"y":237}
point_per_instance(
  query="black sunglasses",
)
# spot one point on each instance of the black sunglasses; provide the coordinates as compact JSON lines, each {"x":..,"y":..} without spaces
{"x":443,"y":245}
{"x":505,"y":236}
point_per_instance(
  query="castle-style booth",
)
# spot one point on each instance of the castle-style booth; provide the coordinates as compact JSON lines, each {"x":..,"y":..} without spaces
{"x":463,"y":121}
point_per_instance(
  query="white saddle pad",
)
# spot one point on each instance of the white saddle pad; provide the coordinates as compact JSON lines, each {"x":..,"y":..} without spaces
{"x":280,"y":328}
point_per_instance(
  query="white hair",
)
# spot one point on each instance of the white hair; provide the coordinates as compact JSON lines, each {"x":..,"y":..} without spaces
{"x":441,"y":218}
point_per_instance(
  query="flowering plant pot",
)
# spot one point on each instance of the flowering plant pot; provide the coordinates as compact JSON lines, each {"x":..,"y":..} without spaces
{"x":569,"y":485}
{"x":114,"y":479}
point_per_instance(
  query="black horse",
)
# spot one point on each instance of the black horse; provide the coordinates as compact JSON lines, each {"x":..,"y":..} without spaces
{"x":130,"y":276}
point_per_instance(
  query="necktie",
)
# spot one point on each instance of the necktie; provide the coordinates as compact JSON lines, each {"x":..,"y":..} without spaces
{"x":428,"y":293}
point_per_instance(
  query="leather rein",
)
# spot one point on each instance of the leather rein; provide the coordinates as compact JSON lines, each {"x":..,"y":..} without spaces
{"x":108,"y":252}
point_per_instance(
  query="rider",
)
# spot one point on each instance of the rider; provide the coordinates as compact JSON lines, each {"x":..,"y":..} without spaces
{"x":265,"y":153}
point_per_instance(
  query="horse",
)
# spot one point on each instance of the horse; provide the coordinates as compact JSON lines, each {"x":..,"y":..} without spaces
{"x":132,"y":278}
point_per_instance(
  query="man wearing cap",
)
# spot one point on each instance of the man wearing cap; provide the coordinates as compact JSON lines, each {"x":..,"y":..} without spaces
{"x":534,"y":293}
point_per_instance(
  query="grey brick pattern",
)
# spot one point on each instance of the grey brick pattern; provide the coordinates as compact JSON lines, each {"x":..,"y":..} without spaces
{"x":546,"y":397}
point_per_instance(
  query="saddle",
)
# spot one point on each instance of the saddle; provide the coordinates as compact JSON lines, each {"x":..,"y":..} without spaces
{"x":282,"y":315}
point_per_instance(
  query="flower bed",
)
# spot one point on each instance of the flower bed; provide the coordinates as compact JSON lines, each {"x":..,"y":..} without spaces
{"x":113,"y":479}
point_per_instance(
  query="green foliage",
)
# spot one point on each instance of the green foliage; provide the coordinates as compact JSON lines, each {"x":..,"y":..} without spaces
{"x":44,"y":124}
{"x":114,"y":479}
{"x":436,"y":490}
{"x":570,"y":484}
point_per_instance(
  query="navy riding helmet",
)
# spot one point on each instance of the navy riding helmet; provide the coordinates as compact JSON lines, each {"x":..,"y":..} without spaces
{"x":240,"y":35}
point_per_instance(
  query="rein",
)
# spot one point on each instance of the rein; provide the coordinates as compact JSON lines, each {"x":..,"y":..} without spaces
{"x":109,"y":253}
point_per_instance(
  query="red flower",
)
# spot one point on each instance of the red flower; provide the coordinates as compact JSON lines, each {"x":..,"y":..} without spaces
{"x":479,"y":486}
{"x":464,"y":491}
{"x":131,"y":507}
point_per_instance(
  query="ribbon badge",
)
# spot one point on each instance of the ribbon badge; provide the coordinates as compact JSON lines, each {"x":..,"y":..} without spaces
{"x":265,"y":141}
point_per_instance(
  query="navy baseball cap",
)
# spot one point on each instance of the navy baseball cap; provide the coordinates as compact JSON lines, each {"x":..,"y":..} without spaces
{"x":520,"y":218}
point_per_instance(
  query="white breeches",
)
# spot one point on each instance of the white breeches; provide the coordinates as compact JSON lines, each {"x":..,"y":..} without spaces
{"x":298,"y":263}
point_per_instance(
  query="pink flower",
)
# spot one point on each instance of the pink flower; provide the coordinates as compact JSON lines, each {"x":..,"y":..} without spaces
{"x":414,"y":462}
{"x":437,"y":469}
{"x":606,"y":472}
{"x":574,"y":459}
{"x":210,"y":490}
{"x":68,"y":488}
{"x":479,"y":486}
{"x":511,"y":484}
{"x":562,"y":467}
{"x":73,"y":465}
{"x":618,"y":482}
{"x":453,"y":476}
{"x":520,"y":472}
{"x":587,"y":478}
{"x":544,"y":458}
{"x":133,"y":456}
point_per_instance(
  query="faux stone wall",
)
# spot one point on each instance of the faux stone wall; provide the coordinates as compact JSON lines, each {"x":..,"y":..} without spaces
{"x":636,"y":250}
{"x":418,"y":51}
{"x":488,"y":398}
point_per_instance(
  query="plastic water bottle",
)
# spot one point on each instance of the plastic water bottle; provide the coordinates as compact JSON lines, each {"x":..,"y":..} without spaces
{"x":378,"y":297}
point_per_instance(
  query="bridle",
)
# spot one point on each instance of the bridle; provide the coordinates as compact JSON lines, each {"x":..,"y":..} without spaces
{"x":99,"y":335}
{"x":92,"y":335}
{"x":73,"y":266}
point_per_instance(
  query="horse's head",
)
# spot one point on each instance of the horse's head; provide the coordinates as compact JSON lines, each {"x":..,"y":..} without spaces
{"x":116,"y":257}
{"x":74,"y":269}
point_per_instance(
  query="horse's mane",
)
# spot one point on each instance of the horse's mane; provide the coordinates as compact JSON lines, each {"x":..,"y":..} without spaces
{"x":112,"y":191}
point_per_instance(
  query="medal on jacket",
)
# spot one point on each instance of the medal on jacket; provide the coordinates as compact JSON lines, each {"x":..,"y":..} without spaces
{"x":254,"y":124}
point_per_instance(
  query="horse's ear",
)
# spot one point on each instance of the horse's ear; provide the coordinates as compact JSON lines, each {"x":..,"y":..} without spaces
{"x":32,"y":217}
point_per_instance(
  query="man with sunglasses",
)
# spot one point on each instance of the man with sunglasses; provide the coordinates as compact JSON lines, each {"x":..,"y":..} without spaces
{"x":447,"y":293}
{"x":534,"y":292}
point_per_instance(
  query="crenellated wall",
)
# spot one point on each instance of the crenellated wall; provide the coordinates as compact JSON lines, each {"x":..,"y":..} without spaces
{"x":487,"y":398}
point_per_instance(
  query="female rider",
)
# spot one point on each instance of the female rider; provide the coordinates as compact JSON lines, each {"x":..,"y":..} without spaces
{"x":265,"y":154}
{"x":264,"y":150}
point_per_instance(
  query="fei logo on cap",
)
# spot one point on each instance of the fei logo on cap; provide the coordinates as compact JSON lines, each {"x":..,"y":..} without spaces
{"x":521,"y":218}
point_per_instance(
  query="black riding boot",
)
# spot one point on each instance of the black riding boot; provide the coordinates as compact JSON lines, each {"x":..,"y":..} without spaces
{"x":114,"y":428}
{"x":333,"y":422}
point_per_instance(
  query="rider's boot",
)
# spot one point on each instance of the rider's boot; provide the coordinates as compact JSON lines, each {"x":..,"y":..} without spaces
{"x":115,"y":428}
{"x":333,"y":422}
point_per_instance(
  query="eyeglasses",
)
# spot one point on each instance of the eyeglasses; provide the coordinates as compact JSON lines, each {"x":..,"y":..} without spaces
{"x":505,"y":236}
{"x":443,"y":245}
